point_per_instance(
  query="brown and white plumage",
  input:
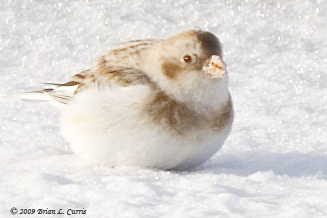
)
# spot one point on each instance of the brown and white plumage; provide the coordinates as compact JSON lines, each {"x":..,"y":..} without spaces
{"x":149,"y":103}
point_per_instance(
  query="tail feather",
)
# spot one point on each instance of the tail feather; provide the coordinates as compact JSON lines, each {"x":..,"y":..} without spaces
{"x":62,"y":94}
{"x":33,"y":96}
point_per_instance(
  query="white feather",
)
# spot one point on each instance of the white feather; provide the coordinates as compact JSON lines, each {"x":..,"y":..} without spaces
{"x":111,"y":128}
{"x":58,"y":96}
{"x":32,"y":96}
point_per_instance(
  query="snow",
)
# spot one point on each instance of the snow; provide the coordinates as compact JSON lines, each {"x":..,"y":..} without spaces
{"x":273,"y":163}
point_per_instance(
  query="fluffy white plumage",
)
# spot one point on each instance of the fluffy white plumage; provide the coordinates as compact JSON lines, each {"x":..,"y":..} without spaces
{"x":149,"y":103}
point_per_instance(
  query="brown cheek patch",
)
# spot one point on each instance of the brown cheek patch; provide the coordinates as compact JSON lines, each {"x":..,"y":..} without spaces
{"x":171,"y":70}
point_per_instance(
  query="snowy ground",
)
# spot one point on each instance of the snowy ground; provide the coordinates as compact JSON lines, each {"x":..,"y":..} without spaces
{"x":274,"y":163}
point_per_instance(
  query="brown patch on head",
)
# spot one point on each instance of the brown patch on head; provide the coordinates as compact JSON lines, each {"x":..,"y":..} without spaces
{"x":199,"y":45}
{"x":210,"y":43}
{"x":170,"y":69}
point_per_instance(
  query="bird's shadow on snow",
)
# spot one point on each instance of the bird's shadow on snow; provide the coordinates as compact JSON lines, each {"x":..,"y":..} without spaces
{"x":290,"y":164}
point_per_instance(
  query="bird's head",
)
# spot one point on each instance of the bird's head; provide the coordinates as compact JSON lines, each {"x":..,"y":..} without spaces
{"x":189,"y":67}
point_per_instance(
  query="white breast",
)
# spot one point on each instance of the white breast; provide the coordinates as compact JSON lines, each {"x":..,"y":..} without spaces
{"x":109,"y":127}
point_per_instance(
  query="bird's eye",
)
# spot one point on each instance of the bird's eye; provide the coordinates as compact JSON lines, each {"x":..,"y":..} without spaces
{"x":187,"y":58}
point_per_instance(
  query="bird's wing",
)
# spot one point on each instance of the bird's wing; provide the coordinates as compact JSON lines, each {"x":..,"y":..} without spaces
{"x":119,"y":66}
{"x":115,"y":68}
{"x":64,"y":92}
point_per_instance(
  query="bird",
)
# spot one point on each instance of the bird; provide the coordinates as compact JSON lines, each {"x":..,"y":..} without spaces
{"x":153,"y":103}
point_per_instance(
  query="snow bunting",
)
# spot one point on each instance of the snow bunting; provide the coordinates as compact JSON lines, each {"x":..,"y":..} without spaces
{"x":148,"y":103}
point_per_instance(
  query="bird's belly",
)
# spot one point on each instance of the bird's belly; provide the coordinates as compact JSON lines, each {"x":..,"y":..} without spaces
{"x":106,"y":130}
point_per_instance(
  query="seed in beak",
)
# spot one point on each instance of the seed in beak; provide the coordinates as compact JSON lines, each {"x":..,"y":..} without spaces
{"x":215,"y":68}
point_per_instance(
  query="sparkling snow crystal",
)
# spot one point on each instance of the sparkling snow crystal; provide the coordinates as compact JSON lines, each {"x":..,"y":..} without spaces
{"x":273,"y":163}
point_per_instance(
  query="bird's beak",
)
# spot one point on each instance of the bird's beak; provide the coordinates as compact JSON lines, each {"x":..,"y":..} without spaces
{"x":215,"y":67}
